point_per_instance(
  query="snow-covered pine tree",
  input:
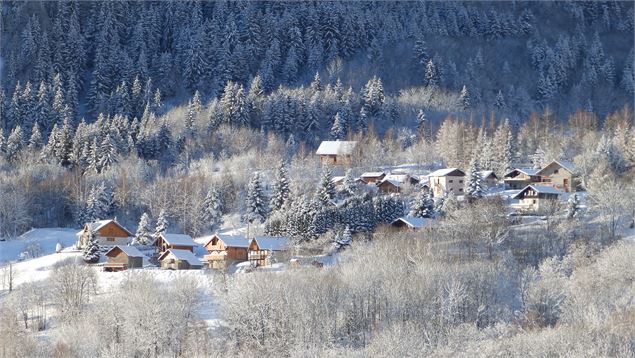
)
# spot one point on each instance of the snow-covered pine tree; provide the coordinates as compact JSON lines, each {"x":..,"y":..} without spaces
{"x":465,"y":99}
{"x":338,"y":130}
{"x":344,"y":239}
{"x":349,"y":186}
{"x":423,"y":205}
{"x":91,"y":251}
{"x":280,"y":188}
{"x":432,"y":75}
{"x":143,"y":236}
{"x":212,"y":210}
{"x":107,"y":153}
{"x":326,"y":189}
{"x":473,"y":185}
{"x":162,"y":223}
{"x":35,"y":141}
{"x":256,"y":201}
{"x":573,"y":206}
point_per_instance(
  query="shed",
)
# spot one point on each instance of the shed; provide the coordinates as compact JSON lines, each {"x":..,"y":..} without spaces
{"x":174,"y":241}
{"x":336,"y":152}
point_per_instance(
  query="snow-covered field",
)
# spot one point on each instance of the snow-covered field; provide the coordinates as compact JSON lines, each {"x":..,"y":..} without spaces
{"x":46,"y":239}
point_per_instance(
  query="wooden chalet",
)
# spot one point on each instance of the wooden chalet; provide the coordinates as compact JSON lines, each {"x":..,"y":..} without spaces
{"x":372,"y":177}
{"x":336,"y":152}
{"x":264,"y":247}
{"x":222,"y":250}
{"x":176,"y":259}
{"x":521,"y":177}
{"x":174,"y":241}
{"x":106,"y":232}
{"x":488,"y":178}
{"x":559,"y":174}
{"x":123,"y":258}
{"x":535,"y":197}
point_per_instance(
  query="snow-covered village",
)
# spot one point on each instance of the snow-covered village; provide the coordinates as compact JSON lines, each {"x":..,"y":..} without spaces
{"x":317,"y":179}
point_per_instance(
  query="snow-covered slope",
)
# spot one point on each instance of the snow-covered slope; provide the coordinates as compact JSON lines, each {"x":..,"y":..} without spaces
{"x":46,"y":239}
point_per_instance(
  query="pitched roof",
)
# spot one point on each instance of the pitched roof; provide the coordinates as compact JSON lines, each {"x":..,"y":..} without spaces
{"x":178,"y":239}
{"x":563,"y":164}
{"x":231,"y":240}
{"x":337,"y":179}
{"x":540,"y":189}
{"x":413,"y":222}
{"x":131,"y":251}
{"x":528,"y":171}
{"x":338,"y":147}
{"x":273,"y":243}
{"x":486,"y":173}
{"x":446,"y":172}
{"x":97,"y":225}
{"x":183,"y":255}
{"x":398,"y":179}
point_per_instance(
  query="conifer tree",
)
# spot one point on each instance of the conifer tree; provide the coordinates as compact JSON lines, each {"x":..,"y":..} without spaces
{"x":107,"y":153}
{"x":573,"y":206}
{"x":91,"y":251}
{"x":212,"y":213}
{"x":256,"y":202}
{"x":280,"y":188}
{"x":326,"y":190}
{"x":344,"y":239}
{"x":143,"y":236}
{"x":338,"y":130}
{"x":473,"y":185}
{"x":423,"y":206}
{"x":349,"y":186}
{"x":432,"y":75}
{"x":35,"y":141}
{"x":162,"y":224}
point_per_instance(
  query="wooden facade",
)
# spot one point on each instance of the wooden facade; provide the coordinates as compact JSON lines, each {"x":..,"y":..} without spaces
{"x":174,"y":259}
{"x":559,"y":175}
{"x":520,"y":178}
{"x":336,"y":152}
{"x":173,"y":241}
{"x":223,"y":250}
{"x":535,"y":197}
{"x":107,"y":233}
{"x":123,"y":258}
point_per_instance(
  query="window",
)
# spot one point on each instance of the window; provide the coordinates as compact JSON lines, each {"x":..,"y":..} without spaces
{"x":450,"y":181}
{"x":534,"y":201}
{"x":555,"y":171}
{"x":460,"y":181}
{"x":460,"y":189}
{"x":110,"y":239}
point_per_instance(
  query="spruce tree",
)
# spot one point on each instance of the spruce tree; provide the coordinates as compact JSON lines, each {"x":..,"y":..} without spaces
{"x":338,"y":130}
{"x":212,"y":210}
{"x":423,"y":206}
{"x":91,"y":251}
{"x":162,"y":223}
{"x":349,"y":186}
{"x":343,"y":239}
{"x":465,"y":99}
{"x":280,"y":188}
{"x":573,"y":206}
{"x":326,"y":190}
{"x":143,"y":236}
{"x":473,"y":185}
{"x":256,"y":201}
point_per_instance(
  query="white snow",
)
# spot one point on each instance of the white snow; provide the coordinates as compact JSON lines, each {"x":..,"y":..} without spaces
{"x":47,"y":239}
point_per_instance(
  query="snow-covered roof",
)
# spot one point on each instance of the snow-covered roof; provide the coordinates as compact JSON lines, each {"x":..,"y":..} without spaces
{"x":178,"y":239}
{"x":234,"y":241}
{"x":97,"y":225}
{"x":527,"y":171}
{"x":540,"y":189}
{"x":183,"y":255}
{"x":446,"y":172}
{"x":338,"y":147}
{"x":372,"y":174}
{"x":337,"y":179}
{"x":412,"y":221}
{"x":486,"y":174}
{"x":273,"y":243}
{"x":131,"y":251}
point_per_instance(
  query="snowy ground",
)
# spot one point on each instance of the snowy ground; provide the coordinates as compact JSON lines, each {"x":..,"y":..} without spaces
{"x":46,"y":239}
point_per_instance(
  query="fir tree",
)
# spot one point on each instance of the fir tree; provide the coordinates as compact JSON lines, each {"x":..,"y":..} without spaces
{"x":280,"y":188}
{"x":338,"y":130}
{"x":212,"y":213}
{"x":326,"y":190}
{"x":35,"y":141}
{"x":473,"y":185}
{"x":349,"y":186}
{"x":423,"y":206}
{"x":91,"y":251}
{"x":344,"y":239}
{"x":432,"y":75}
{"x":256,"y":201}
{"x":573,"y":206}
{"x":143,"y":236}
{"x":464,"y":98}
{"x":162,"y":224}
{"x":107,"y":154}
